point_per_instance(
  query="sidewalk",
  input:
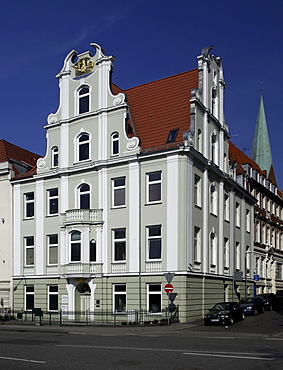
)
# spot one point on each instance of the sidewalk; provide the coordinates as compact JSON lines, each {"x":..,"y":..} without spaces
{"x":100,"y":329}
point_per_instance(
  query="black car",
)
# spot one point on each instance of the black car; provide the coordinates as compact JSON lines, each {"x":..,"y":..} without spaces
{"x":224,"y":313}
{"x":269,"y":300}
{"x":252,"y":305}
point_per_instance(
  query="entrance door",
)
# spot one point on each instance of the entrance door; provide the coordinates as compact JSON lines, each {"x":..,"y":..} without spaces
{"x":82,"y":304}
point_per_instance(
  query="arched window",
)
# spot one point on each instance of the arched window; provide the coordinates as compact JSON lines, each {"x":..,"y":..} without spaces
{"x":214,"y":148}
{"x":83,"y":97}
{"x":75,"y":246}
{"x":84,"y":196}
{"x":55,"y":156}
{"x":83,"y":147}
{"x":213,"y":199}
{"x":115,"y":143}
{"x":213,"y":248}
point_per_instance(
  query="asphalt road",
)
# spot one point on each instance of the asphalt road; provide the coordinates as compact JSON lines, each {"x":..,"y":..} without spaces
{"x":255,"y":343}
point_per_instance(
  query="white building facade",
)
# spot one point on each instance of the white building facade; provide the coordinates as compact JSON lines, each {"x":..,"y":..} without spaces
{"x":134,"y":184}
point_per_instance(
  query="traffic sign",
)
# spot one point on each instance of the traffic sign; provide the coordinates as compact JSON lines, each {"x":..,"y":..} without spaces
{"x":168,"y":288}
{"x":169,"y":276}
{"x":172,"y":296}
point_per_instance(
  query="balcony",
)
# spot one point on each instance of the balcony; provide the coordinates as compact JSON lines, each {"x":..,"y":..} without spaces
{"x":82,"y":216}
{"x":81,"y":269}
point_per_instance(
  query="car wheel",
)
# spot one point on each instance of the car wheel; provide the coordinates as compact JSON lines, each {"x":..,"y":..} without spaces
{"x":243,"y":316}
{"x":255,"y":312}
{"x":231,"y":321}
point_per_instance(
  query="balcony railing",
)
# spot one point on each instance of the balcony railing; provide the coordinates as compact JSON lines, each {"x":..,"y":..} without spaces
{"x":92,"y":216}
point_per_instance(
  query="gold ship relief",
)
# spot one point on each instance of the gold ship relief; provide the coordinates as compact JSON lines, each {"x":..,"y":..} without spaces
{"x":83,"y":66}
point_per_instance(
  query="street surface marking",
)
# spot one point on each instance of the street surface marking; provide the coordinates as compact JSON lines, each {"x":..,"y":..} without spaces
{"x":244,"y":355}
{"x":219,"y":337}
{"x":228,"y":356}
{"x":22,"y":359}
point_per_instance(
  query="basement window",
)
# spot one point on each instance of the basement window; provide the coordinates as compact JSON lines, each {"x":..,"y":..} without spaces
{"x":172,"y":135}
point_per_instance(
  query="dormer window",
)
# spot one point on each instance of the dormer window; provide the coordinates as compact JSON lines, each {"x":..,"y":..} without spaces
{"x":84,"y":99}
{"x":172,"y":135}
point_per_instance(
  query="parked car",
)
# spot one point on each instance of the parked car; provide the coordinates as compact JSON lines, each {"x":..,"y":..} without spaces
{"x":269,"y":300}
{"x":252,"y":305}
{"x":224,"y":313}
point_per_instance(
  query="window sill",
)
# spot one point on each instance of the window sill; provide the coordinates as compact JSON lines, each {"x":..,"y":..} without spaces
{"x":119,"y":207}
{"x":152,"y":203}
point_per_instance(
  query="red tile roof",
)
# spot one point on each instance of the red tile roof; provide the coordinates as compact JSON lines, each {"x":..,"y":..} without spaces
{"x":12,"y":153}
{"x":160,"y":106}
{"x":236,"y":155}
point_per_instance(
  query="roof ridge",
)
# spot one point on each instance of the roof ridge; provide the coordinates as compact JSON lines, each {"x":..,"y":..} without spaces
{"x":161,"y":79}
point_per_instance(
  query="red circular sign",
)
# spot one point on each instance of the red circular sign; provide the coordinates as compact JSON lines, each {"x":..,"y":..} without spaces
{"x":168,"y":288}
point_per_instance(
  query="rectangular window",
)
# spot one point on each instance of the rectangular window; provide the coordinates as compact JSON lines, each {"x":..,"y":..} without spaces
{"x":119,"y":241}
{"x":248,"y":220}
{"x":226,"y":207}
{"x":53,"y":298}
{"x":120,"y":297}
{"x":154,"y":242}
{"x":29,"y":297}
{"x":238,"y":256}
{"x":197,"y":244}
{"x":226,"y":257}
{"x":154,"y":298}
{"x":154,"y":187}
{"x":52,"y":249}
{"x":238,"y":216}
{"x":29,"y":250}
{"x":119,"y":192}
{"x":197,"y":191}
{"x":92,"y":251}
{"x":29,"y":205}
{"x":52,"y":201}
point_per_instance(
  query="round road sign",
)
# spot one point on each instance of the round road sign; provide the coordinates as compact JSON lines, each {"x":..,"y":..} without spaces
{"x":168,"y":288}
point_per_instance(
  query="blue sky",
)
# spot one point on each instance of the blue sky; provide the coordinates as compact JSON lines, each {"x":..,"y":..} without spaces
{"x":150,"y":39}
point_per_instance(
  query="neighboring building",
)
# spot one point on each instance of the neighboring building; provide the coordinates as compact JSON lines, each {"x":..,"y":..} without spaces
{"x":135,"y":183}
{"x":14,"y":161}
{"x":258,"y":177}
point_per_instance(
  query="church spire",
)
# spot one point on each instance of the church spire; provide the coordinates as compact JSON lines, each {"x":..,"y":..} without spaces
{"x":261,"y":152}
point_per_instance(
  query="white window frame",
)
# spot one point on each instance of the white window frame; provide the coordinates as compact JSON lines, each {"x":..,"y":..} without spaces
{"x":238,"y":256}
{"x":79,"y":97}
{"x":226,"y":253}
{"x":81,"y":193}
{"x":238,"y":214}
{"x":248,"y":220}
{"x":53,"y":294}
{"x":151,"y":239}
{"x":213,"y":199}
{"x":55,"y":157}
{"x":118,"y":187}
{"x":119,"y":240}
{"x":197,"y":191}
{"x":29,"y":293}
{"x":157,"y":292}
{"x":52,"y":199}
{"x":52,"y":245}
{"x":29,"y":202}
{"x":226,"y":207}
{"x":79,"y":144}
{"x":122,"y":293}
{"x":213,"y":249}
{"x":197,"y":244}
{"x":157,"y":184}
{"x":115,"y":143}
{"x":28,"y":248}
{"x":214,"y":148}
{"x":73,"y":242}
